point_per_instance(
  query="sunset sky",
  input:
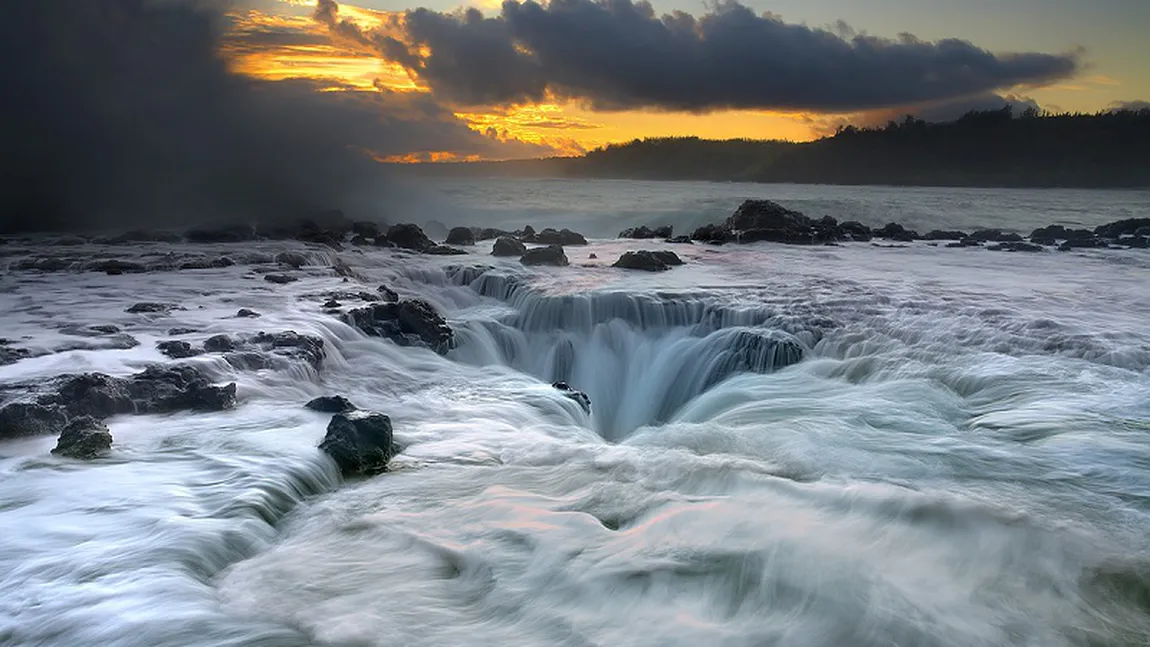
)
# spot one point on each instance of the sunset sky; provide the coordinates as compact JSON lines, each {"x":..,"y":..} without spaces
{"x":529,"y":80}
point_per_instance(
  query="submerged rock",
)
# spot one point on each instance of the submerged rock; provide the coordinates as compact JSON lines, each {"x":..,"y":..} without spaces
{"x":244,"y":313}
{"x":331,"y":404}
{"x":444,"y":250}
{"x":412,"y":322}
{"x":680,"y":240}
{"x":507,"y":246}
{"x":579,"y":397}
{"x":389,"y":295}
{"x":550,"y":255}
{"x":291,"y":344}
{"x":280,"y":279}
{"x":939,"y":234}
{"x":460,"y":236}
{"x":219,"y":344}
{"x":152,"y":308}
{"x":84,"y":438}
{"x":360,"y":444}
{"x":651,"y":261}
{"x":294,"y":260}
{"x":1015,"y":247}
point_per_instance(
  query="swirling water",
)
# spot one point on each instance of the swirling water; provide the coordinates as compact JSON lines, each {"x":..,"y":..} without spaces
{"x":787,"y":446}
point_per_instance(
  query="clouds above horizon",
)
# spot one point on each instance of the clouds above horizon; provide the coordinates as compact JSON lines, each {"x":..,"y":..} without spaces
{"x":619,"y":55}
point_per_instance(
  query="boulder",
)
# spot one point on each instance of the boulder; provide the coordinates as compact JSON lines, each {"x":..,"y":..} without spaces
{"x":84,"y":438}
{"x":280,"y":279}
{"x":205,"y":263}
{"x":225,"y":234}
{"x":765,"y":214}
{"x":177,"y":349}
{"x":382,"y":241}
{"x":158,"y":389}
{"x":1015,"y":246}
{"x":578,"y":396}
{"x":644,"y":232}
{"x":651,"y":261}
{"x":10,"y":354}
{"x":331,"y":304}
{"x":18,"y":419}
{"x":488,"y":233}
{"x":550,"y":255}
{"x":527,"y":234}
{"x":219,"y":344}
{"x":507,"y":246}
{"x":563,"y":237}
{"x":331,"y":404}
{"x":411,"y":322}
{"x":409,"y":236}
{"x":244,"y":313}
{"x":292,"y":345}
{"x":460,"y":236}
{"x":895,"y":231}
{"x":680,"y":240}
{"x":965,"y":242}
{"x":360,"y":444}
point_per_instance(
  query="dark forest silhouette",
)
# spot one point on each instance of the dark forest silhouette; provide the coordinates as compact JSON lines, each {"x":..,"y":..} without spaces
{"x":982,"y":148}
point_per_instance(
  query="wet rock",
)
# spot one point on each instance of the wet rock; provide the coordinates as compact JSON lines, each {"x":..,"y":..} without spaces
{"x":365,"y":228}
{"x":680,"y":240}
{"x":592,"y":256}
{"x":507,"y":246}
{"x":389,"y":295}
{"x":253,"y":361}
{"x":280,"y":279}
{"x":244,"y":313}
{"x":226,"y":234}
{"x":965,"y":242}
{"x":856,"y":231}
{"x":331,"y":304}
{"x":331,"y":404}
{"x":563,"y":237}
{"x":177,"y":349}
{"x":43,"y":264}
{"x":19,"y":419}
{"x":444,"y":250}
{"x":99,"y":330}
{"x":765,"y":214}
{"x":382,"y":241}
{"x":460,"y":236}
{"x":175,"y":332}
{"x":219,"y":344}
{"x":409,"y":236}
{"x":579,"y":397}
{"x":996,"y":236}
{"x":939,"y":234}
{"x":651,"y":261}
{"x":526,"y":235}
{"x":84,"y":438}
{"x":360,"y":444}
{"x":1015,"y":247}
{"x":294,"y":260}
{"x":148,"y":307}
{"x":489,"y":233}
{"x":360,"y":241}
{"x":291,"y":344}
{"x":411,"y":322}
{"x":163,"y":389}
{"x":550,"y":255}
{"x":1128,"y":227}
{"x":715,"y":234}
{"x":10,"y":354}
{"x":895,"y":231}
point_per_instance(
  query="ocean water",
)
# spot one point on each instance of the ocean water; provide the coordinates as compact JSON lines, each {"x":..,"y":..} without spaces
{"x":791,"y":446}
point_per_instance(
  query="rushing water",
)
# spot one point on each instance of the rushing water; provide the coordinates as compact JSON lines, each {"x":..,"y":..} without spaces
{"x":787,"y":446}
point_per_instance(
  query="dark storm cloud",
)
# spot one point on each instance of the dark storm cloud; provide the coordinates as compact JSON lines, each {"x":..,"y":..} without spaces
{"x":121,"y":112}
{"x":618,"y":54}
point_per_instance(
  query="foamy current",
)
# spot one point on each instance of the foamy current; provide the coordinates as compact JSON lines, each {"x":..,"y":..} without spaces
{"x":791,"y":446}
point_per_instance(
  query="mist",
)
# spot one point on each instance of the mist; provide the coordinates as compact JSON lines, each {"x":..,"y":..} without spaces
{"x":122,"y":113}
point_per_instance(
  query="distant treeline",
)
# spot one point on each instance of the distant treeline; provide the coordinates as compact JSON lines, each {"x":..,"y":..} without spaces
{"x":990,"y":148}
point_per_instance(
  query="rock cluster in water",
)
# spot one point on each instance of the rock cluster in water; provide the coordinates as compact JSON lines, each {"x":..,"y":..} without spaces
{"x":764,"y":220}
{"x":579,"y":397}
{"x":409,"y":322}
{"x":651,"y":261}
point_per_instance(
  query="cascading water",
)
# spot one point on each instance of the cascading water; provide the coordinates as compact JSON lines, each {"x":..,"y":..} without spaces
{"x":787,"y":446}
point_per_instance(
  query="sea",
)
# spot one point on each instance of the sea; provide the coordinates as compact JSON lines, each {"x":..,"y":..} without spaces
{"x":867,"y":445}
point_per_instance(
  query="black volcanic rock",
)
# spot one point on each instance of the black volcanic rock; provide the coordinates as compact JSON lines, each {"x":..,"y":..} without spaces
{"x":389,"y":295}
{"x":895,"y":231}
{"x":715,"y":234}
{"x":280,"y":279}
{"x":294,"y":260}
{"x":1116,"y":229}
{"x":995,"y":236}
{"x":651,"y":261}
{"x":244,"y":313}
{"x":550,"y":255}
{"x":360,"y":444}
{"x":460,"y":236}
{"x":219,"y":344}
{"x":563,"y":237}
{"x":177,"y":349}
{"x":331,"y":404}
{"x":409,"y":236}
{"x":1015,"y":246}
{"x":84,"y":438}
{"x":856,"y":231}
{"x":444,"y":250}
{"x":579,"y":397}
{"x":18,"y":419}
{"x":411,"y":322}
{"x":765,"y":214}
{"x":365,"y":228}
{"x":643,"y":232}
{"x":507,"y":246}
{"x":290,"y":344}
{"x":939,"y":234}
